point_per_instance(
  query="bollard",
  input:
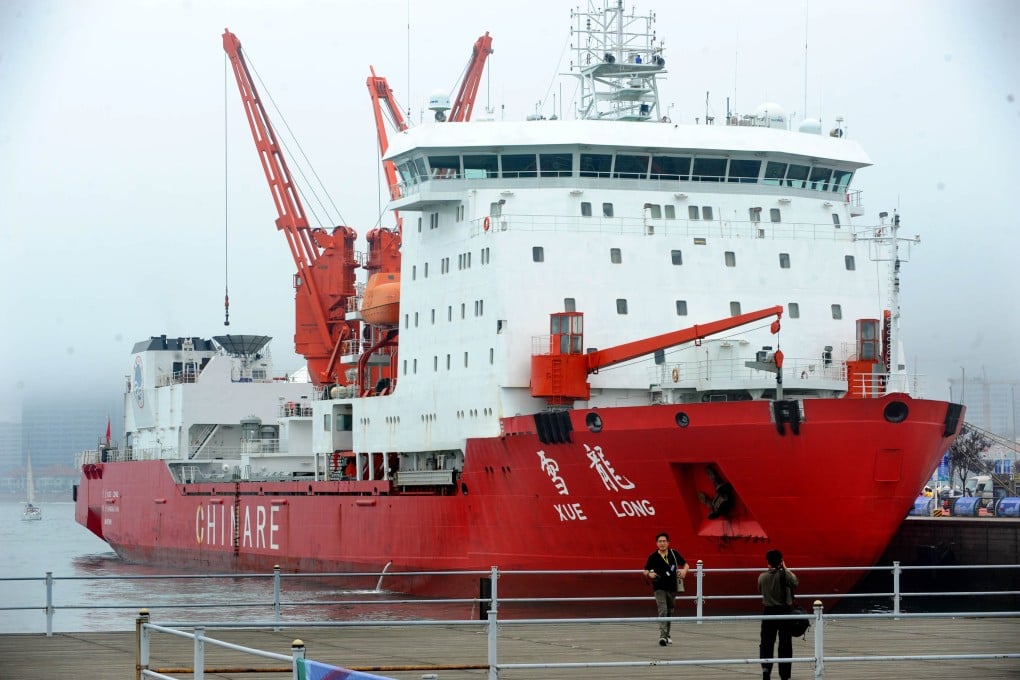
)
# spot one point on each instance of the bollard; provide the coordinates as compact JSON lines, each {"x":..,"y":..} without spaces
{"x":297,"y":653}
{"x":141,"y":643}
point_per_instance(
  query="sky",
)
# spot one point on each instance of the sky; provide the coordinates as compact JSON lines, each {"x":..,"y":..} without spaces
{"x":131,"y":195}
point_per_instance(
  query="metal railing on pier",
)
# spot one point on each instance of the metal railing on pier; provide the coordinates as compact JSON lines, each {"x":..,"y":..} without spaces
{"x":308,"y":588}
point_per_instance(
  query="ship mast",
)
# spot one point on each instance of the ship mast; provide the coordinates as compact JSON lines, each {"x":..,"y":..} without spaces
{"x":897,"y":367}
{"x":618,"y":60}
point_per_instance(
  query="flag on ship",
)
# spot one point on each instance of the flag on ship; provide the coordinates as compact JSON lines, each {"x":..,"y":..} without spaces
{"x":107,"y":430}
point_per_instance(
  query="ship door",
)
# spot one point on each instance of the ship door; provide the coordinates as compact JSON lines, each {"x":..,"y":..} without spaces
{"x":566,"y":332}
{"x":867,"y":340}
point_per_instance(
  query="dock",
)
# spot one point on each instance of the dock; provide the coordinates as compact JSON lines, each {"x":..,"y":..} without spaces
{"x":451,"y":652}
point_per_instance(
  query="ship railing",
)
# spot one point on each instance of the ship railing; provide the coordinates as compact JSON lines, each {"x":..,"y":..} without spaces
{"x":665,"y":227}
{"x":912,"y":591}
{"x":292,"y":409}
{"x":454,"y":183}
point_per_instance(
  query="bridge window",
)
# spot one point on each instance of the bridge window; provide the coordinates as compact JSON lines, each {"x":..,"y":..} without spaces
{"x":837,"y":312}
{"x":731,"y":258}
{"x":670,"y":167}
{"x":556,"y":164}
{"x":835,"y":219}
{"x":820,"y":178}
{"x":654,"y":210}
{"x":444,"y":167}
{"x":693,"y":213}
{"x":677,"y":257}
{"x":519,"y":165}
{"x":585,"y":209}
{"x":607,"y":209}
{"x":481,"y":166}
{"x":849,"y":263}
{"x":621,"y":306}
{"x":796,"y":175}
{"x":670,"y":212}
{"x":841,"y":179}
{"x":631,"y":167}
{"x":709,"y":169}
{"x":595,"y":164}
{"x":774,"y":215}
{"x":744,"y":172}
{"x":615,"y":256}
{"x":538,"y":254}
{"x":774,"y":173}
{"x":681,"y":307}
{"x":794,"y":310}
{"x":784,"y":260}
{"x":706,"y":212}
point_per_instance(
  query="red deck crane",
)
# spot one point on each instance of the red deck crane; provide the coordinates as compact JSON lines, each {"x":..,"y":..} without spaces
{"x":561,"y":376}
{"x":325,"y":260}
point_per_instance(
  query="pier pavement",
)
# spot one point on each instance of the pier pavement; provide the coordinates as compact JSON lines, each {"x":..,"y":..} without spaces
{"x":409,"y":652}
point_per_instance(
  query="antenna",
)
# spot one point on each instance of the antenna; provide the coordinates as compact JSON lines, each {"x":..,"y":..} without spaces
{"x":805,"y":55}
{"x":226,"y":201}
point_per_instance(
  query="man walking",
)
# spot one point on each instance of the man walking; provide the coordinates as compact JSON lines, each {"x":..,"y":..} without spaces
{"x":665,"y":568}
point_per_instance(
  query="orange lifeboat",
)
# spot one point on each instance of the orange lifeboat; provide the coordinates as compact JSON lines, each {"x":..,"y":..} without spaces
{"x":380,"y":305}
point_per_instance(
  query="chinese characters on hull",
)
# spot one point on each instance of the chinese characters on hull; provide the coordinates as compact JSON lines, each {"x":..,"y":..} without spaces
{"x":613,"y":481}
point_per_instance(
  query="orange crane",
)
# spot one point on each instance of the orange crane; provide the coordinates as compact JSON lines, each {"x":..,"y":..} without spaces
{"x":561,"y":376}
{"x":381,"y":300}
{"x":465,"y":102}
{"x":325,"y":261}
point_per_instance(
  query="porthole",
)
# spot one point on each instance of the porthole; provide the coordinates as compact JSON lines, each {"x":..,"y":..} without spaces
{"x":594,"y":422}
{"x":682,"y":420}
{"x":896,"y":411}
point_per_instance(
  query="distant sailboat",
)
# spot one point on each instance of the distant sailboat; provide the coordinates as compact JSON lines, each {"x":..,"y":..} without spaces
{"x":32,"y":511}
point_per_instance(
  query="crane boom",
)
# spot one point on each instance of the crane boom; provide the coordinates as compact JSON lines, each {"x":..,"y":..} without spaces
{"x":620,"y":353}
{"x":465,"y":102}
{"x":325,"y":261}
{"x":561,"y":375}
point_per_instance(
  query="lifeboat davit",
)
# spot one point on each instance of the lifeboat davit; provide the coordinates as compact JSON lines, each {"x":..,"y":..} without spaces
{"x":380,"y":305}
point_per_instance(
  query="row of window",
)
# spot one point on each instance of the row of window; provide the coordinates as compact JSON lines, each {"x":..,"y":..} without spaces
{"x":448,"y":363}
{"x":479,"y":311}
{"x":677,"y":258}
{"x":463,"y":262}
{"x":792,"y":308}
{"x":625,"y":166}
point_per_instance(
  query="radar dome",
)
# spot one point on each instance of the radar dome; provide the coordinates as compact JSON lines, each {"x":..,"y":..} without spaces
{"x":811,"y":126}
{"x":771,"y":115}
{"x":439,"y":102}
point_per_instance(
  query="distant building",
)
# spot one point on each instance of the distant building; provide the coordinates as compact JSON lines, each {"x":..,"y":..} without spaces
{"x":52,"y":432}
{"x":991,"y":405}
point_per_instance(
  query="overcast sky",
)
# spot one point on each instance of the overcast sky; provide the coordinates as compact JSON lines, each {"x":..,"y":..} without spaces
{"x":125,"y":154}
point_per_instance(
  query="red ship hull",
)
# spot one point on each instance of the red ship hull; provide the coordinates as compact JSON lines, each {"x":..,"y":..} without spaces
{"x":829,"y":491}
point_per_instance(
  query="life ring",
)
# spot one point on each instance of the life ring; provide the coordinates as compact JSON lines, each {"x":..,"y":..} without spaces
{"x":676,"y":375}
{"x":486,"y":223}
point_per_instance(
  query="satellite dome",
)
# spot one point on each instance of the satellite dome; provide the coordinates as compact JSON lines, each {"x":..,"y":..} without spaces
{"x":439,"y":102}
{"x":811,"y":126}
{"x":771,"y":115}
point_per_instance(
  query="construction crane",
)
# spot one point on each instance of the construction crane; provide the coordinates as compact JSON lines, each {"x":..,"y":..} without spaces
{"x":325,"y":260}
